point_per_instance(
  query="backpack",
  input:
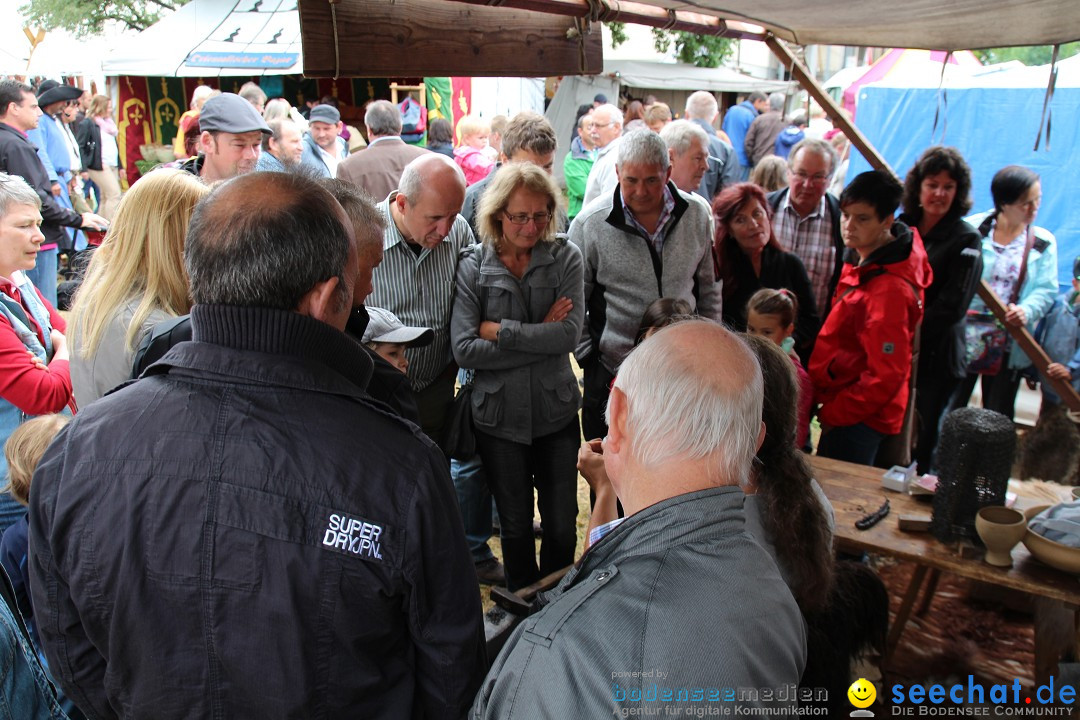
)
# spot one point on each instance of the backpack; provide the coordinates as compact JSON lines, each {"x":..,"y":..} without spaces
{"x":413,"y":120}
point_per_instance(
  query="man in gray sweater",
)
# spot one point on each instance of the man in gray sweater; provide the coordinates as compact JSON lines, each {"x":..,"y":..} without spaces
{"x":676,"y":606}
{"x":644,"y":241}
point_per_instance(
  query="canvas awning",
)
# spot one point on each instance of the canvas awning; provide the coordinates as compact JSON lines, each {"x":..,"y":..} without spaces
{"x":215,"y":38}
{"x":677,"y":76}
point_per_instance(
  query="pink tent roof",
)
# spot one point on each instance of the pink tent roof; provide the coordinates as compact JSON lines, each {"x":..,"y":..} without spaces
{"x":900,"y":62}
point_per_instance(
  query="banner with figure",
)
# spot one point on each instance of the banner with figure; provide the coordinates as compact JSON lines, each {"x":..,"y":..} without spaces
{"x":133,"y":123}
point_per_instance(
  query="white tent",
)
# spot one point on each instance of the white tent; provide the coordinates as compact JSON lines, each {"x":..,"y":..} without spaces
{"x":649,"y":75}
{"x":215,"y":38}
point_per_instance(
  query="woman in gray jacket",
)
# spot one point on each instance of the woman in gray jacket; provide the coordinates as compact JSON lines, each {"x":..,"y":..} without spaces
{"x":517,"y":316}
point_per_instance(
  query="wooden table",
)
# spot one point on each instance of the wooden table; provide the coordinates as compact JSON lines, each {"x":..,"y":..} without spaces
{"x":856,"y":490}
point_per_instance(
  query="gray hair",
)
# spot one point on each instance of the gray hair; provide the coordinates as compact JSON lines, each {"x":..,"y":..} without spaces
{"x":275,"y":126}
{"x":701,"y":105}
{"x":681,"y":407}
{"x":411,"y":184}
{"x":265,"y":240}
{"x":679,"y":134}
{"x":822,"y":148}
{"x":16,"y":191}
{"x":368,"y":222}
{"x":614,"y":114}
{"x":642,"y":147}
{"x":252,"y":93}
{"x":383,"y":118}
{"x":776,"y":101}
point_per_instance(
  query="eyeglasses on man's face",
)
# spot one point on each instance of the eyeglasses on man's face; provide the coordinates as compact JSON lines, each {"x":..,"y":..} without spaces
{"x":540,"y":218}
{"x":816,"y":178}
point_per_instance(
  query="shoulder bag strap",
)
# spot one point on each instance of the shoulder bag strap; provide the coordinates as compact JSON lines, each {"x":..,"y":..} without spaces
{"x":1028,"y":244}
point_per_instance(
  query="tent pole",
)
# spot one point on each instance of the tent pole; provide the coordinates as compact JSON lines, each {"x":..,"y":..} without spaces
{"x":839,"y":118}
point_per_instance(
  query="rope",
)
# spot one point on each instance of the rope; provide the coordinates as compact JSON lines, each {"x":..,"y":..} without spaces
{"x":942,"y":103}
{"x":337,"y":47}
{"x":1045,"y":119}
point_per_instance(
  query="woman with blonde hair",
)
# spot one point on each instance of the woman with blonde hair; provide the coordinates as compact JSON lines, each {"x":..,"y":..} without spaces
{"x":517,"y":316}
{"x":136,"y":279}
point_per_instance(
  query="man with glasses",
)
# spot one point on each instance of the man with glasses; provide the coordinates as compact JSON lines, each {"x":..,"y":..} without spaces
{"x":606,"y":134}
{"x":806,"y":219}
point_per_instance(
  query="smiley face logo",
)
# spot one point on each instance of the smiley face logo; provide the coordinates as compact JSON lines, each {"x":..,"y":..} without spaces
{"x":862,"y":693}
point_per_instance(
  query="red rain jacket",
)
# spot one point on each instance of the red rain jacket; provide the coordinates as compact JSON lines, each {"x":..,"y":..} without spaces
{"x":862,"y":359}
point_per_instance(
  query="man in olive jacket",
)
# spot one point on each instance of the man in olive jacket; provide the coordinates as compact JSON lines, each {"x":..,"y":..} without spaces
{"x":676,"y":605}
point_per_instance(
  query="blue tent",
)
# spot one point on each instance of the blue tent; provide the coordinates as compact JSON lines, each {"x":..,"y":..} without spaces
{"x":993,"y":119}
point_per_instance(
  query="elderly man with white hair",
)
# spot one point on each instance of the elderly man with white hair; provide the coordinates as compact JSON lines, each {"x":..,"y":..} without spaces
{"x":606,"y":136}
{"x":646,"y":240}
{"x":724,"y":167}
{"x":688,"y":148}
{"x":676,"y":604}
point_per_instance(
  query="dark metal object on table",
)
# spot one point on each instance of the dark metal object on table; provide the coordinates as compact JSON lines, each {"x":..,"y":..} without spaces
{"x":975,"y":459}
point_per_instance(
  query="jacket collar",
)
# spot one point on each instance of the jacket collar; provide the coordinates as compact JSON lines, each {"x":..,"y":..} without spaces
{"x":669,"y":523}
{"x":617,"y":218}
{"x":282,"y":334}
{"x":490,"y":264}
{"x":8,"y":128}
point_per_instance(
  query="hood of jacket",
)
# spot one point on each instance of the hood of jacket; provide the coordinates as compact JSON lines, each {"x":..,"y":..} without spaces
{"x":789,"y":136}
{"x":904,"y":257}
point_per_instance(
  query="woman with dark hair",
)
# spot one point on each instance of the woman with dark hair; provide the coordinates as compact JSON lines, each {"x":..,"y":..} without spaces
{"x":748,"y":257}
{"x":937,"y":194}
{"x":789,"y":511}
{"x":517,"y":316}
{"x":661,"y":313}
{"x":440,"y":137}
{"x":1020,"y":266}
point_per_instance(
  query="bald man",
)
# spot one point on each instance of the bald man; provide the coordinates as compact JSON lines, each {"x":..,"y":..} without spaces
{"x":424,"y":236}
{"x":678,"y":589}
{"x":306,"y":564}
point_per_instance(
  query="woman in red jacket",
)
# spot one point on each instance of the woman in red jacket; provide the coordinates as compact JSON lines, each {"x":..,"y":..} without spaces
{"x":862,"y":360}
{"x":34,"y":376}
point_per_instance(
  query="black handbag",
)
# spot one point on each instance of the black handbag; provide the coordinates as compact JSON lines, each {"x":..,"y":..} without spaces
{"x":460,"y":438}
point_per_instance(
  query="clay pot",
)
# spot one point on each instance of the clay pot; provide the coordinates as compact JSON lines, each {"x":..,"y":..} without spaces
{"x":1000,"y":529}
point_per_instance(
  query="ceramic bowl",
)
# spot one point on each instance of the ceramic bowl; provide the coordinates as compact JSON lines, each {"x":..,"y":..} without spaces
{"x":1052,"y":553}
{"x":1000,"y":529}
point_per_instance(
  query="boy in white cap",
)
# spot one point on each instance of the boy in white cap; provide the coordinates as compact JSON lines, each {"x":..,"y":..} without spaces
{"x":389,"y":337}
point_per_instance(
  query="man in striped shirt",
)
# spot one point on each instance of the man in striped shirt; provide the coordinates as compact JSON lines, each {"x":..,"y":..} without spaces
{"x":424,"y":236}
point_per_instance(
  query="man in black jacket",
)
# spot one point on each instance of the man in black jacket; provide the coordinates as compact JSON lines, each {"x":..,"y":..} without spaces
{"x":19,"y":112}
{"x":242,"y":532}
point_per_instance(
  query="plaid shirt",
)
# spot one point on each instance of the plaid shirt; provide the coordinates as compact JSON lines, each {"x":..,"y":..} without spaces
{"x":662,"y":223}
{"x":811,"y":239}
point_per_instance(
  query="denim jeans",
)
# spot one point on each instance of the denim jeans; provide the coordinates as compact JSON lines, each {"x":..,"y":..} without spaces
{"x":44,"y":275}
{"x":25,"y":693}
{"x":474,"y":500}
{"x":549,"y":464}
{"x":854,"y":443}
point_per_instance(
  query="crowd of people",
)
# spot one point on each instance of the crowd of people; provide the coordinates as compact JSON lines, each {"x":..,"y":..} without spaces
{"x":252,"y":509}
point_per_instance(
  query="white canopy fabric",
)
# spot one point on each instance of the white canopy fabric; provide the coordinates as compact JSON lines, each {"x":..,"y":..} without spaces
{"x":928,"y":24}
{"x":677,"y":76}
{"x":215,"y":38}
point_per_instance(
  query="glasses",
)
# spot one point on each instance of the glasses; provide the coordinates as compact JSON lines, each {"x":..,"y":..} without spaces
{"x":540,"y":218}
{"x":817,"y":179}
{"x":604,"y":125}
{"x":71,"y":103}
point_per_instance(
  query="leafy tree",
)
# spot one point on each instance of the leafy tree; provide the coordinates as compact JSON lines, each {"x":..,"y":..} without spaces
{"x":618,"y":33}
{"x":706,"y":51}
{"x":87,"y":17}
{"x":1029,"y":55}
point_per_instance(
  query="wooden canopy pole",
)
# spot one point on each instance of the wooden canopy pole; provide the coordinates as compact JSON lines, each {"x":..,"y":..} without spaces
{"x":835,"y":113}
{"x":1027,"y":343}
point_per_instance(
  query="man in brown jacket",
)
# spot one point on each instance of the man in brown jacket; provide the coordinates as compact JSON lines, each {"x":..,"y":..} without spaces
{"x":761,"y":137}
{"x":378,"y":167}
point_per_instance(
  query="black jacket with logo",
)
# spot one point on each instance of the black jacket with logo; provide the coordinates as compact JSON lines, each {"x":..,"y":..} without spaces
{"x":241,"y":533}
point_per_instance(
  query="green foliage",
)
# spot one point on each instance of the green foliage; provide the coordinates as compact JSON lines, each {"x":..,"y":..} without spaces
{"x":1029,"y":55}
{"x":707,"y":51}
{"x":618,"y":33}
{"x":87,"y":17}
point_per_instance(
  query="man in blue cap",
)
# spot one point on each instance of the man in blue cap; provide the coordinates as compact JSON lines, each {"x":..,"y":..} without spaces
{"x":230,"y":139}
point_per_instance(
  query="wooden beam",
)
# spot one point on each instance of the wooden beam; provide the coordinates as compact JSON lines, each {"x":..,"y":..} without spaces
{"x":374,"y":38}
{"x":1031,"y":348}
{"x":639,"y":14}
{"x":835,"y":113}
